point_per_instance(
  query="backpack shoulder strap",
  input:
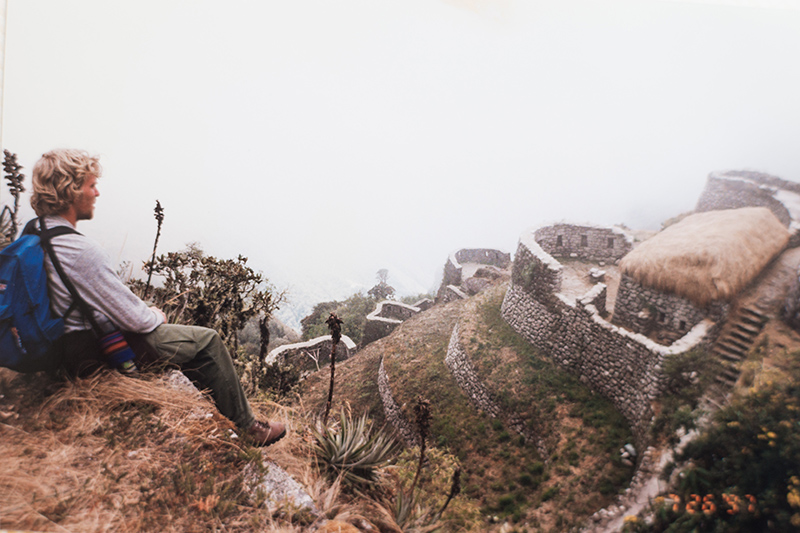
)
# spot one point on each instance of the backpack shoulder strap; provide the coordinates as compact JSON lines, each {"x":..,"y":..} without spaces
{"x":31,"y":228}
{"x":45,"y":235}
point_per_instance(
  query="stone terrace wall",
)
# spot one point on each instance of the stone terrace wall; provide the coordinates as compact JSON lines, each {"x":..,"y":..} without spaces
{"x":732,"y":191}
{"x":653,"y":313}
{"x":541,"y":276}
{"x":311,"y":355}
{"x":393,"y":412}
{"x":791,"y":306}
{"x":464,"y":373}
{"x":763,"y":178}
{"x":482,"y":256}
{"x":589,"y":243}
{"x":451,"y":293}
{"x":388,"y":315}
{"x":624,"y":367}
{"x":466,"y":377}
{"x":394,"y":310}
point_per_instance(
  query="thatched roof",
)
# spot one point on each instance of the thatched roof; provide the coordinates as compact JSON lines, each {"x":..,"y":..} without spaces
{"x":708,"y":256}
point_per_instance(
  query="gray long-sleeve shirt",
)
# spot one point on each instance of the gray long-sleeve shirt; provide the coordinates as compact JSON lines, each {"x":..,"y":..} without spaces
{"x":89,"y":269}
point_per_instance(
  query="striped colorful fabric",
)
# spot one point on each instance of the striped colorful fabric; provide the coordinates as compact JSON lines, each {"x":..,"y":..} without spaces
{"x":116,"y":349}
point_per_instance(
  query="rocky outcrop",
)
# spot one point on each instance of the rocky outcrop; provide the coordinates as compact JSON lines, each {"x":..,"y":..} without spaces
{"x":270,"y":484}
{"x":277,"y":488}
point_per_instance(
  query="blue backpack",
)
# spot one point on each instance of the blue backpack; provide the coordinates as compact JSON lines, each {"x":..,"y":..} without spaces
{"x":28,"y":327}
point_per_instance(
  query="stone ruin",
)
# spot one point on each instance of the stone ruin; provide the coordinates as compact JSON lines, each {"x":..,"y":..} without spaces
{"x":623,"y":358}
{"x":388,"y":315}
{"x":593,"y":327}
{"x":310,"y":356}
{"x":469,"y":271}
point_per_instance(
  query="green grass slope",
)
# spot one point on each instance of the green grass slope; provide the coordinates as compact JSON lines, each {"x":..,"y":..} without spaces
{"x":503,"y":476}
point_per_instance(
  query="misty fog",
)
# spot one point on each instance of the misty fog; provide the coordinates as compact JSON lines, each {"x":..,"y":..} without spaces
{"x":326,"y":140}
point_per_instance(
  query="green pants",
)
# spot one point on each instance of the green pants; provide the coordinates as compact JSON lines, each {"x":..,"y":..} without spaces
{"x":198,"y":352}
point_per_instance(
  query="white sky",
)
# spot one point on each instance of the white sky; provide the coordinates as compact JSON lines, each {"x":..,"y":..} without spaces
{"x":325,"y":140}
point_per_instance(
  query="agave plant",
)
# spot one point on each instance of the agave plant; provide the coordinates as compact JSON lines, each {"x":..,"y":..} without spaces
{"x":354,"y":451}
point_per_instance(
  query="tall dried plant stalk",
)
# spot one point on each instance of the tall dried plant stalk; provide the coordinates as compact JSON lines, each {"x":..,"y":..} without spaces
{"x":15,"y":187}
{"x":455,"y":489}
{"x":159,"y":214}
{"x":422,"y":414}
{"x":335,"y":326}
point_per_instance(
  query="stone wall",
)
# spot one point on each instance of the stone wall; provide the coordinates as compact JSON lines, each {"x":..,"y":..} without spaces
{"x":790,"y":312}
{"x":734,"y":190}
{"x":387,"y":316}
{"x":665,"y":317}
{"x":394,"y":310}
{"x":588,"y":243}
{"x":541,"y":276}
{"x":451,"y":293}
{"x":482,"y":256}
{"x":311,"y":355}
{"x":452,"y":272}
{"x":467,"y":379}
{"x":393,"y":412}
{"x":623,"y":366}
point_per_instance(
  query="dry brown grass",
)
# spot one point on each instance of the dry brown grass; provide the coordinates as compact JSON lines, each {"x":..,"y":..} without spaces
{"x":708,"y":256}
{"x":110,"y":453}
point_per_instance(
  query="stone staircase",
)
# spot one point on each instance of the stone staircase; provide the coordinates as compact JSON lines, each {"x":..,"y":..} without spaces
{"x":735,"y":340}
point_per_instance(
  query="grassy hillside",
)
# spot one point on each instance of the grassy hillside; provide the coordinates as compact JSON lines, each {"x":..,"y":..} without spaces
{"x":116,"y":454}
{"x":119,"y":454}
{"x":503,"y":477}
{"x":742,"y":473}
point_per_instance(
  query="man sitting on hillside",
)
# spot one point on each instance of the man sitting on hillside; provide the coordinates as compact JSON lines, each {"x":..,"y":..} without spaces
{"x":64,"y":192}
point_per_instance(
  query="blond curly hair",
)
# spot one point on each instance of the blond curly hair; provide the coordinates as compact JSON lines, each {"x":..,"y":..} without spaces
{"x":58,"y":177}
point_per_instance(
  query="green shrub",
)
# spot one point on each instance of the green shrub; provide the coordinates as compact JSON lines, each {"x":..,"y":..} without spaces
{"x":550,"y":493}
{"x":747,"y":463}
{"x":687,"y":377}
{"x":353,"y":312}
{"x":536,"y":468}
{"x":353,"y":451}
{"x":526,"y":480}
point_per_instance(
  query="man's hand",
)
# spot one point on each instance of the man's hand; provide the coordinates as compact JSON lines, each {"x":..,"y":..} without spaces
{"x":158,"y":311}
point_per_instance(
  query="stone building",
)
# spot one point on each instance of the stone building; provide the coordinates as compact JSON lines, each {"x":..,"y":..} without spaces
{"x":673,"y":296}
{"x":586,"y":242}
{"x":466,"y":270}
{"x":310,"y":356}
{"x":693,"y":269}
{"x":388,"y":315}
